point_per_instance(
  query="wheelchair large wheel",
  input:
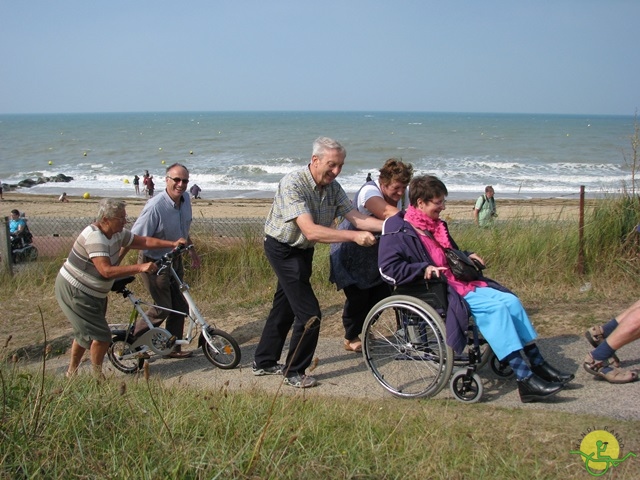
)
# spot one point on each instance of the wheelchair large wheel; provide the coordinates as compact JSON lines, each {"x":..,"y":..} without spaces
{"x":404,"y":346}
{"x":226,"y":354}
{"x":120,"y":348}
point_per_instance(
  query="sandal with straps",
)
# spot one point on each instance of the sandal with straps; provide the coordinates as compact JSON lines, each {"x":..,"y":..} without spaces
{"x":595,"y":336}
{"x":615,"y":375}
{"x":353,"y":345}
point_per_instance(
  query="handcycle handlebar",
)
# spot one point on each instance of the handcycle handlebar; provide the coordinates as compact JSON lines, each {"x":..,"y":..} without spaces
{"x":167,"y":258}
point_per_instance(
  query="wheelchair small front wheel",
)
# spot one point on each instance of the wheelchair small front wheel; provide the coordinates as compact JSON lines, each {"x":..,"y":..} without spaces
{"x":223,"y":351}
{"x":466,"y":388}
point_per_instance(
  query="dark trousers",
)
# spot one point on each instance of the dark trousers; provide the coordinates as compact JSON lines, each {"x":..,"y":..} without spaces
{"x":294,"y":303}
{"x":165,"y":293}
{"x":358,"y":304}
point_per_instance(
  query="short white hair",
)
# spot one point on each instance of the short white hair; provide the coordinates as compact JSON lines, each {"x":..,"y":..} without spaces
{"x":109,"y":207}
{"x":322,"y":144}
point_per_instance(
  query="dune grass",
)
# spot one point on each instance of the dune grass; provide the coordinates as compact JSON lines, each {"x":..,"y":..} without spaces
{"x":139,"y":428}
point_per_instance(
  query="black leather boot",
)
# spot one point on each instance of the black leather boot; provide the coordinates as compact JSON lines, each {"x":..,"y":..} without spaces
{"x":550,"y":374}
{"x":534,"y":388}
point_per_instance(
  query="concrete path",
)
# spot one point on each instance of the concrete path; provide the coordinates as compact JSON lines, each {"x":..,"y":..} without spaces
{"x":345,"y":374}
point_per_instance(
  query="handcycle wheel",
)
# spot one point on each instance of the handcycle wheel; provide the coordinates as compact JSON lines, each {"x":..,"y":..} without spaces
{"x":466,"y":388}
{"x":120,"y":347}
{"x":404,"y":347}
{"x":32,"y":254}
{"x":226,"y":354}
{"x":499,"y":368}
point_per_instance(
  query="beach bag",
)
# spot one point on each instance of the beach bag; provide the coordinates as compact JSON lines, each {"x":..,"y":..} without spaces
{"x":463,"y":267}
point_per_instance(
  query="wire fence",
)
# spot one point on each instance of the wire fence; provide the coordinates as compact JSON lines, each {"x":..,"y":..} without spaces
{"x":55,"y":236}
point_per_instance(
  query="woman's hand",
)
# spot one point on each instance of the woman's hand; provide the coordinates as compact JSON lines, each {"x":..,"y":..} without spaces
{"x":433,"y":272}
{"x":474,"y":256}
{"x":149,"y":267}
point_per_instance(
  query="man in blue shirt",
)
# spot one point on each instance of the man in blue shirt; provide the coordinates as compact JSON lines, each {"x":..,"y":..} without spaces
{"x":167,"y":216}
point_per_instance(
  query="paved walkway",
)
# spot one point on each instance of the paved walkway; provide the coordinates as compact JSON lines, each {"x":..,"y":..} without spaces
{"x":344,"y":374}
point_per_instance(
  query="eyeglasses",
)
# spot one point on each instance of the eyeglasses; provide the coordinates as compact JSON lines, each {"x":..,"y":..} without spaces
{"x":124,"y":219}
{"x":178,"y":179}
{"x":440,"y":203}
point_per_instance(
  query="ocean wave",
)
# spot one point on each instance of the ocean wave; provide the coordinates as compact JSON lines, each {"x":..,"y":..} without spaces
{"x":244,"y":153}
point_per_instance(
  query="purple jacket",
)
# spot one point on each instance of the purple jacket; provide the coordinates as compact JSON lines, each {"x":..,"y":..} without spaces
{"x":402,"y":259}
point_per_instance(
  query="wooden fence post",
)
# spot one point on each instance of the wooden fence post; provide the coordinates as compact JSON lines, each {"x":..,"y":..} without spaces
{"x":5,"y":246}
{"x":581,"y":233}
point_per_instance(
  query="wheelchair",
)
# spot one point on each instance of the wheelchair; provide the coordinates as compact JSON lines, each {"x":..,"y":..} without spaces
{"x":22,"y":247}
{"x":404,"y":346}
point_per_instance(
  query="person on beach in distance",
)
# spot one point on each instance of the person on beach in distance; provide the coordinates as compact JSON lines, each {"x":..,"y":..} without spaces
{"x":412,"y":250}
{"x":195,"y":191}
{"x":149,"y":185}
{"x":136,"y":184}
{"x":1,"y":196}
{"x":167,"y":216}
{"x":63,"y":198}
{"x":304,"y":208}
{"x":354,"y":269}
{"x":88,"y":274}
{"x":602,"y":362}
{"x":485,"y":211}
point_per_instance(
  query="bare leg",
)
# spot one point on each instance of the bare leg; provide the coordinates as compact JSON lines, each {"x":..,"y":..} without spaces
{"x":628,"y":328}
{"x":77,"y":352}
{"x":97,"y":352}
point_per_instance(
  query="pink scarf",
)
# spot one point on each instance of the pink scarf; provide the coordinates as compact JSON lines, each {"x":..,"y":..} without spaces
{"x":435,"y":227}
{"x":440,"y":239}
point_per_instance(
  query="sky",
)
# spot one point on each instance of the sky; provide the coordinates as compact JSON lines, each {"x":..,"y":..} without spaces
{"x":543,"y":56}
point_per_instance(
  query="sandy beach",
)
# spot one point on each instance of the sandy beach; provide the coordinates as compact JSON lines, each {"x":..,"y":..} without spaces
{"x":457,"y":210}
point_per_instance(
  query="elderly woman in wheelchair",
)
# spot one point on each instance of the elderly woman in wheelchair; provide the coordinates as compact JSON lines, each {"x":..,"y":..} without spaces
{"x":412,"y":249}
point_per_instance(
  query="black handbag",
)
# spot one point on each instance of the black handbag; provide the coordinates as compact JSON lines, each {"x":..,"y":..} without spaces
{"x":463,"y":267}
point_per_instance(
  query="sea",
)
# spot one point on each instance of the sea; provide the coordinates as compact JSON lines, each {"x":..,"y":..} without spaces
{"x":244,"y":154}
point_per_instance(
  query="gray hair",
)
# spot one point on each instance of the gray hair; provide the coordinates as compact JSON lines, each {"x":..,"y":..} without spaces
{"x":109,"y":207}
{"x":322,"y":144}
{"x":176,"y":165}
